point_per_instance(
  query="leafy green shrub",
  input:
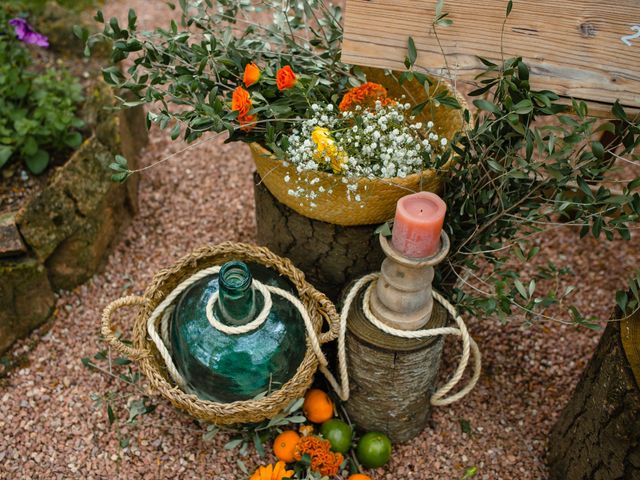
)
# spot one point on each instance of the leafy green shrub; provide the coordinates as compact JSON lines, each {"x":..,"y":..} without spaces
{"x":37,"y":110}
{"x":513,"y":178}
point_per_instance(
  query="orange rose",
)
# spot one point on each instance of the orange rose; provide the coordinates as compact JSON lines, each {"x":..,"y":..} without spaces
{"x":247,"y":122}
{"x":285,"y":78}
{"x":251,"y":74}
{"x":241,"y":103}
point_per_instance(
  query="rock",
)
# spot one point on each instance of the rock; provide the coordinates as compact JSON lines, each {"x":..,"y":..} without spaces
{"x":72,"y":223}
{"x":11,"y":243}
{"x":69,"y":226}
{"x":82,"y":254}
{"x":73,"y":193}
{"x":26,"y":298}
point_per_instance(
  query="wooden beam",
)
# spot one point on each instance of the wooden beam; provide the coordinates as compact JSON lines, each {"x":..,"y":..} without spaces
{"x":585,"y":49}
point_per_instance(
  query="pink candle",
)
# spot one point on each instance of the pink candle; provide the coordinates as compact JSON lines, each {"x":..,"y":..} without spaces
{"x":418,"y":223}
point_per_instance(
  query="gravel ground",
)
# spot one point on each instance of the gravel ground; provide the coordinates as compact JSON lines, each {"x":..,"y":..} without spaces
{"x":50,"y":427}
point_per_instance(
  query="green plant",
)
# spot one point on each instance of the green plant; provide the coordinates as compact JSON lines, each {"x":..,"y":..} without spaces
{"x":243,"y":437}
{"x":37,"y":110}
{"x":516,"y":178}
{"x":115,"y":401}
{"x":188,"y":74}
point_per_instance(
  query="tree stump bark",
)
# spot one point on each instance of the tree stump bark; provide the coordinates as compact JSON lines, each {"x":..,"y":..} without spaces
{"x":598,"y":434}
{"x":391,"y":378}
{"x":330,"y":255}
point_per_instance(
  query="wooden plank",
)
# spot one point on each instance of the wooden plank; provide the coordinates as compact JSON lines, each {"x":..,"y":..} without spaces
{"x":578,"y":48}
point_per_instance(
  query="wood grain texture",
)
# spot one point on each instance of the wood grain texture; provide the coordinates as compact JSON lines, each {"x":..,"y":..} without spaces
{"x":329,"y":255}
{"x":597,"y":436}
{"x":391,"y":378}
{"x":574,"y":48}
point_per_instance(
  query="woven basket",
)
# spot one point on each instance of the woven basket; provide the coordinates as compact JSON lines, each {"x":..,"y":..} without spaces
{"x":145,"y":353}
{"x":378,"y":196}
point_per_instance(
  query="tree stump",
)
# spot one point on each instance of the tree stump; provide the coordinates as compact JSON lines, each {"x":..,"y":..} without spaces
{"x":597,"y":436}
{"x":391,"y":378}
{"x":330,"y":255}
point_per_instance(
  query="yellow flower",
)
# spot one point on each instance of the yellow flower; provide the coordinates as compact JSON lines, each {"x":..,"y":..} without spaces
{"x":338,"y":160}
{"x":306,"y":430}
{"x":322,"y":138}
{"x":272,"y":473}
{"x":326,"y":147}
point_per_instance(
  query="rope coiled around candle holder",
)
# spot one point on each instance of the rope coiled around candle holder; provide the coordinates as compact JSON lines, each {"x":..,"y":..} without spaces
{"x":438,"y":398}
{"x":341,"y":388}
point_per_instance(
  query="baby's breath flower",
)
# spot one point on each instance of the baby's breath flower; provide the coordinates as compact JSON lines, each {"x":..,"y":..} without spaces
{"x":384,"y":143}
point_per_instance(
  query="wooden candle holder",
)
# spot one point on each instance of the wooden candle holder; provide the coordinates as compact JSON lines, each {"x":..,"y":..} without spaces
{"x":392,"y":378}
{"x":402,"y":297}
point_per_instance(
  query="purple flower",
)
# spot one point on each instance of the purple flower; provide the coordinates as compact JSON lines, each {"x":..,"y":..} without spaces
{"x":25,"y":33}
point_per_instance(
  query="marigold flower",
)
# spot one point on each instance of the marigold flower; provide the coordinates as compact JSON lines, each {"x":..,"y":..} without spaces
{"x":323,"y":460}
{"x":251,"y":74}
{"x":364,"y":95}
{"x":271,"y":472}
{"x":285,"y":78}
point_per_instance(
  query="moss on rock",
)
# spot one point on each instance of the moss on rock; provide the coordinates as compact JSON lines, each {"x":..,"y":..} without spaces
{"x":26,"y":298}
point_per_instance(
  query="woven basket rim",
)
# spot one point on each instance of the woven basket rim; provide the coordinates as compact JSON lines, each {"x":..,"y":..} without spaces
{"x":319,"y":306}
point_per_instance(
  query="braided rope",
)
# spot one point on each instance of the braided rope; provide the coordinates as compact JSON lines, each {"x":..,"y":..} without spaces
{"x":163,"y":313}
{"x":247,"y":327}
{"x":107,"y":331}
{"x":314,"y":308}
{"x":342,"y":388}
{"x":438,"y":397}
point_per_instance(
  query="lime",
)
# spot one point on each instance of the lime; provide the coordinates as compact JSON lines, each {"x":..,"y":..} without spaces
{"x":374,"y":449}
{"x":338,"y":433}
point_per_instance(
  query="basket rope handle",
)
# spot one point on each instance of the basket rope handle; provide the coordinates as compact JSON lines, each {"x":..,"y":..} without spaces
{"x":329,"y":315}
{"x":107,"y":329}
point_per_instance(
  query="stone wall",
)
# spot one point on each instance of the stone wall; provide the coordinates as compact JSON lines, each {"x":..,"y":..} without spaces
{"x":62,"y":235}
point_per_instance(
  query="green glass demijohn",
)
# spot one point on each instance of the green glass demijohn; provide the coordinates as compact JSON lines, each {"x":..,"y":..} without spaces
{"x":225,"y":368}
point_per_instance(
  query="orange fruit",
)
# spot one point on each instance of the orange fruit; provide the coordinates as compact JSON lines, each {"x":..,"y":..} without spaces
{"x":317,"y":407}
{"x":359,"y":476}
{"x":285,"y":444}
